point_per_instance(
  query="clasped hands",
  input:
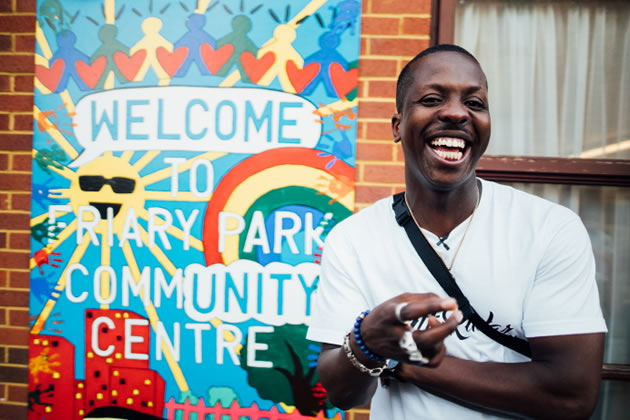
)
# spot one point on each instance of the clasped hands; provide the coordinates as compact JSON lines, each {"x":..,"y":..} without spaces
{"x":383,"y":330}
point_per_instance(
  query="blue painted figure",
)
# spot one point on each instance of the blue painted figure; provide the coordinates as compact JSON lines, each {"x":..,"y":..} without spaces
{"x":328,"y":54}
{"x":193,"y":40}
{"x":70,"y":55}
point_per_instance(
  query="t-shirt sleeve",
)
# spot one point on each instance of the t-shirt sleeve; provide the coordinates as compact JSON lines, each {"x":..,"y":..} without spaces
{"x":337,"y":299}
{"x":564,"y":298}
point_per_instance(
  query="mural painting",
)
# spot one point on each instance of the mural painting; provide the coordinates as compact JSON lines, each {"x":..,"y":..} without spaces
{"x":189,"y":159}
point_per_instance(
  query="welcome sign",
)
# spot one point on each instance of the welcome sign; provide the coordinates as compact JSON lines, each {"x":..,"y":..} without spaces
{"x":189,"y":159}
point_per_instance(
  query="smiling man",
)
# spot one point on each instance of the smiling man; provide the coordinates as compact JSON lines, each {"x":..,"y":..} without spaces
{"x":524,"y":264}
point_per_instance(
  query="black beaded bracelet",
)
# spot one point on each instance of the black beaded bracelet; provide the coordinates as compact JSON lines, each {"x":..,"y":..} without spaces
{"x":360,"y":342}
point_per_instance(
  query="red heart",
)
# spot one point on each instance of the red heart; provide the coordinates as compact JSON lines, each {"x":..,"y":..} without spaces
{"x":50,"y":76}
{"x":215,"y":59}
{"x":171,"y":61}
{"x":129,"y":66}
{"x":90,"y":74}
{"x":301,"y":77}
{"x":257,"y":67}
{"x":344,"y":81}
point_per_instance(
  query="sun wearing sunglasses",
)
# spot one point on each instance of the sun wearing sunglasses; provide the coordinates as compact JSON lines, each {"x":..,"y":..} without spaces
{"x":119,"y":184}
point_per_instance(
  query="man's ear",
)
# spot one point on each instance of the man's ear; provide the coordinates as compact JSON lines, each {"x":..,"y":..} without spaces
{"x":396,"y":127}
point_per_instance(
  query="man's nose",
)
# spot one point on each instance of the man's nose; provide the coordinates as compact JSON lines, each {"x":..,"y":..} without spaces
{"x":454,"y":111}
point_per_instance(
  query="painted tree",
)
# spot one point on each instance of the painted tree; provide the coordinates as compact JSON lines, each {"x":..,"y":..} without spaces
{"x":292,"y":378}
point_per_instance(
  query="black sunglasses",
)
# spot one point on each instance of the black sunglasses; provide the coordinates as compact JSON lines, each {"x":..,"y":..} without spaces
{"x":119,"y":184}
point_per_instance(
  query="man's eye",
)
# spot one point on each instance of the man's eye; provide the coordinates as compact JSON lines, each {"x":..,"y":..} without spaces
{"x":476,"y":105}
{"x":430,"y":100}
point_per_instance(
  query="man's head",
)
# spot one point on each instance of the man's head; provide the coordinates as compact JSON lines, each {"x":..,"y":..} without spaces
{"x":443,"y":120}
{"x":405,"y":78}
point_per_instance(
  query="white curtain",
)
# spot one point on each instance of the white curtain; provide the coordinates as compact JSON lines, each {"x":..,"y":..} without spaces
{"x":558,"y":74}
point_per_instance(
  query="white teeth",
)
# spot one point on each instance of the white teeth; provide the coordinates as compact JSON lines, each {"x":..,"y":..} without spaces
{"x":449,"y":155}
{"x":449,"y":142}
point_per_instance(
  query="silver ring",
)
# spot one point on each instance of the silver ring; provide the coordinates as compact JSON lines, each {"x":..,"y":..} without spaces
{"x":408,"y":345}
{"x":398,"y":310}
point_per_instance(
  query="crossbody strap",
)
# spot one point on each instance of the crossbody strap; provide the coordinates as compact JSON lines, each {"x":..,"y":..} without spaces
{"x":443,"y":276}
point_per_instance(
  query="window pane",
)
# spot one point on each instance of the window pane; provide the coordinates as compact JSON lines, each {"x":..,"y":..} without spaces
{"x":605,"y":212}
{"x":558,"y":74}
{"x":613,"y":401}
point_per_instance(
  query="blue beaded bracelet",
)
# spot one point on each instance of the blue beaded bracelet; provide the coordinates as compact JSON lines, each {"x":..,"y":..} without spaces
{"x":360,"y":342}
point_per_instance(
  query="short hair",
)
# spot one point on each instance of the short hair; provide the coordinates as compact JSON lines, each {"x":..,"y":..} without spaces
{"x":405,"y":78}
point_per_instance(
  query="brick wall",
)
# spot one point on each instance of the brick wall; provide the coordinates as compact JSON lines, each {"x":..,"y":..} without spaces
{"x":393,"y":31}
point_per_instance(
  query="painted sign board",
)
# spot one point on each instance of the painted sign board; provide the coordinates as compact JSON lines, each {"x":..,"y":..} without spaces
{"x":189,"y":159}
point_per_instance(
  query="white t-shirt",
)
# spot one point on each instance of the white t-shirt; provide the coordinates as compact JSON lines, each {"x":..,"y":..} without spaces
{"x":526,"y":265}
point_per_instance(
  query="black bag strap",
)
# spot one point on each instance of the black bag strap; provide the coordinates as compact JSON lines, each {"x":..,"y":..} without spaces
{"x":443,"y":276}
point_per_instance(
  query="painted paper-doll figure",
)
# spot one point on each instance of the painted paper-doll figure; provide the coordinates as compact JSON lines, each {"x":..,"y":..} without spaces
{"x":150,"y":43}
{"x":193,"y":39}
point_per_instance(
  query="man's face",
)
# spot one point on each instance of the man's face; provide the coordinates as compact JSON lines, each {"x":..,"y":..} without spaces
{"x":444,"y":124}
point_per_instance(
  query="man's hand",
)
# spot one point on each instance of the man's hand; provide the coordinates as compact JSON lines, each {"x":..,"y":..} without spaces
{"x":381,"y":331}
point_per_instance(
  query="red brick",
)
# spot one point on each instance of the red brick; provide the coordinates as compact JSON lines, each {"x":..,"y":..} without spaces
{"x":17,"y":24}
{"x":3,"y":278}
{"x":401,"y":7}
{"x":17,"y":356}
{"x":370,"y":193}
{"x":5,"y":6}
{"x":15,"y":182}
{"x":26,"y":6}
{"x":23,"y":83}
{"x":13,"y":102}
{"x":11,"y":411}
{"x":13,"y":298}
{"x":4,"y":161}
{"x":416,"y":26}
{"x":379,"y":131}
{"x":13,"y":337}
{"x":20,"y":241}
{"x":4,"y":121}
{"x":16,"y":142}
{"x":381,"y":89}
{"x":4,"y":201}
{"x":23,"y":122}
{"x":19,"y":279}
{"x":17,"y":393}
{"x":11,"y":220}
{"x":383,"y":173}
{"x":12,"y":63}
{"x":22,"y":162}
{"x":3,"y":317}
{"x":397,"y":46}
{"x":375,"y":151}
{"x":379,"y":26}
{"x":24,"y":43}
{"x":14,"y":259}
{"x":6,"y":44}
{"x":21,"y":202}
{"x":363,"y":47}
{"x":374,"y":109}
{"x":3,"y":240}
{"x":5,"y":83}
{"x":18,"y":317}
{"x":371,"y":67}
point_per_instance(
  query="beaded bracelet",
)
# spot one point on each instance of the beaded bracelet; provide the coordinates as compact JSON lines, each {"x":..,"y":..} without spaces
{"x":360,"y":342}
